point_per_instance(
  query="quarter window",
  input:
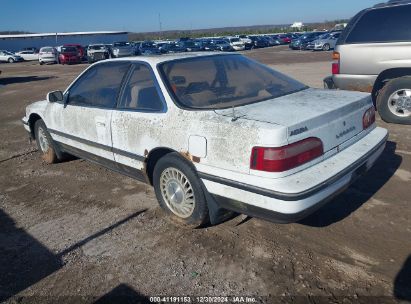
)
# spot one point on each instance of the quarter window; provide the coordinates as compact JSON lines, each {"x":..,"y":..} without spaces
{"x":99,"y":86}
{"x":392,"y":24}
{"x":140,"y":92}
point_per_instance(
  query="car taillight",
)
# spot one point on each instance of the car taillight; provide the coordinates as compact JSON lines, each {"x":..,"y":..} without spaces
{"x":336,"y":63}
{"x":368,"y":118}
{"x":287,"y":157}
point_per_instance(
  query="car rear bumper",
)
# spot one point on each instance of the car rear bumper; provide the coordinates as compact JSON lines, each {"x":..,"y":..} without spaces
{"x":313,"y":187}
{"x":362,"y":83}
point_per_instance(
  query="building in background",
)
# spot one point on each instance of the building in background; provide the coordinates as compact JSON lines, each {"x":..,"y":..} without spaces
{"x":17,"y":42}
{"x":297,"y":26}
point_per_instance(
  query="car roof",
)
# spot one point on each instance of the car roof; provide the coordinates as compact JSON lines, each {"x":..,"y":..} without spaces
{"x":390,"y":3}
{"x":156,"y":59}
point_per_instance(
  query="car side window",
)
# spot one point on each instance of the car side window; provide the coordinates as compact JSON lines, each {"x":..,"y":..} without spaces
{"x":140,"y":93}
{"x":99,"y":86}
{"x":391,"y":24}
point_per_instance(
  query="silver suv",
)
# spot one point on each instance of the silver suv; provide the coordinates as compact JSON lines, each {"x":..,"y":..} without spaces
{"x":373,"y":54}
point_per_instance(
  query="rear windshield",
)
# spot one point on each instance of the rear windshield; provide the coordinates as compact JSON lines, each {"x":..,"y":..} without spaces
{"x":46,"y":50}
{"x":389,"y":24}
{"x":215,"y":82}
{"x":97,"y":47}
{"x":69,"y":49}
{"x":121,"y":44}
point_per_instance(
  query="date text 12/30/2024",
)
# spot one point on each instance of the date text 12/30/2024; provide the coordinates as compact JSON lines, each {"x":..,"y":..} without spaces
{"x":233,"y":299}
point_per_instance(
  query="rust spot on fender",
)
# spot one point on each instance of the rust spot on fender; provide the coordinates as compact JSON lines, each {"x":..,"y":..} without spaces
{"x":366,"y":89}
{"x":190,"y":157}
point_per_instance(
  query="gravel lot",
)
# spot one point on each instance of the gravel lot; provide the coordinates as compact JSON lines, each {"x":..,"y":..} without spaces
{"x":79,"y":232}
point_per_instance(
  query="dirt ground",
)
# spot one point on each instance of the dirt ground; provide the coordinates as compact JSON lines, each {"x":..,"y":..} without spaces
{"x":75,"y":232}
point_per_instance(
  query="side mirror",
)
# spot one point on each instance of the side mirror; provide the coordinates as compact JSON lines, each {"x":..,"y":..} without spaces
{"x":55,"y":96}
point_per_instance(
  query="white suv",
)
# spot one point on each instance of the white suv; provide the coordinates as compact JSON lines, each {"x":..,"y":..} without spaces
{"x":48,"y":54}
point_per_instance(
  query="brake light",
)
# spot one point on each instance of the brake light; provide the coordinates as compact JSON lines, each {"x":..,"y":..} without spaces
{"x":287,"y":157}
{"x":368,"y":118}
{"x":336,"y":63}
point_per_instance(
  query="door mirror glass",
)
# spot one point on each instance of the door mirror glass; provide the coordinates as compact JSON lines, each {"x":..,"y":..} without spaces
{"x":55,"y":96}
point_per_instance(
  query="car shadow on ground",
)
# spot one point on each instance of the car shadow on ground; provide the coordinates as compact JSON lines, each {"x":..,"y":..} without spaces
{"x":123,"y":294}
{"x":402,"y":282}
{"x":359,"y":192}
{"x":24,"y":261}
{"x":23,"y":79}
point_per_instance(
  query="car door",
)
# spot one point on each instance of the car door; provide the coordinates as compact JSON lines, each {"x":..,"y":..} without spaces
{"x":81,"y":123}
{"x":137,"y":122}
{"x":3,"y":56}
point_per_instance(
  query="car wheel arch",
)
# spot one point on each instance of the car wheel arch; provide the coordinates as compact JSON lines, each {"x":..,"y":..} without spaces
{"x":156,"y":154}
{"x":386,"y":76}
{"x":32,"y":121}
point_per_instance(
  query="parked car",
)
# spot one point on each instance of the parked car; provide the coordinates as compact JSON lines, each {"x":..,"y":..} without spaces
{"x":207,"y":138}
{"x":286,"y":39}
{"x":69,"y":55}
{"x":32,"y":49}
{"x":80,"y":50}
{"x":122,"y":49}
{"x":6,"y":56}
{"x":248,"y":43}
{"x":148,"y":48}
{"x":190,"y":45}
{"x":171,"y":47}
{"x":324,"y":42}
{"x":223,"y":45}
{"x":48,"y":54}
{"x":97,"y":52}
{"x":258,"y":42}
{"x":236,"y":43}
{"x":302,"y":41}
{"x":373,"y":55}
{"x":271,"y":41}
{"x":28,"y":55}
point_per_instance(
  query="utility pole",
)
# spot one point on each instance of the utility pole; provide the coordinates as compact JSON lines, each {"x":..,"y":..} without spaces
{"x":160,"y":26}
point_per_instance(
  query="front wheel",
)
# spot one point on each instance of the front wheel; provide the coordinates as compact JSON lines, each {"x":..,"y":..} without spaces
{"x":11,"y":60}
{"x":394,"y":101}
{"x":45,"y":142}
{"x":326,"y":47}
{"x":179,"y":191}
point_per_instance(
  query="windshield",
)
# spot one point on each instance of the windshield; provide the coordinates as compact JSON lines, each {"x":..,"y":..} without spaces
{"x":216,"y":82}
{"x":234,"y":39}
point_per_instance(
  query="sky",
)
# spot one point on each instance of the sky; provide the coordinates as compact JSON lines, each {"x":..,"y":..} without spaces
{"x":143,"y":16}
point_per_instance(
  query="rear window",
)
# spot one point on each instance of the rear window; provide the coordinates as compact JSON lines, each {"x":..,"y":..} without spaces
{"x":215,"y":82}
{"x":390,"y":24}
{"x":69,"y":49}
{"x":46,"y":50}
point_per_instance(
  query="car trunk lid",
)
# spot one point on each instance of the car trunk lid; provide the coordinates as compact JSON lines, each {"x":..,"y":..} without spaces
{"x":333,"y":116}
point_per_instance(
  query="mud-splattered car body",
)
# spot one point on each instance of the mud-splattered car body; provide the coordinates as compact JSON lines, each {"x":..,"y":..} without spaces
{"x":236,"y":150}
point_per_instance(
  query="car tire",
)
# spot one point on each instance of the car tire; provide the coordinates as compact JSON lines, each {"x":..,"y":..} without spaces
{"x":41,"y":62}
{"x":179,"y":191}
{"x":45,"y":143}
{"x":10,"y":60}
{"x":326,"y":47}
{"x":386,"y":104}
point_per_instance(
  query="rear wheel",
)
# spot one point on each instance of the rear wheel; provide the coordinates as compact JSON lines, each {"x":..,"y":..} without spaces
{"x":179,"y":191}
{"x":45,"y":142}
{"x":394,"y":101}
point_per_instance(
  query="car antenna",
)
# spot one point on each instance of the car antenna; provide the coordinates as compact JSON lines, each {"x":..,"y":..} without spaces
{"x":235,"y":118}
